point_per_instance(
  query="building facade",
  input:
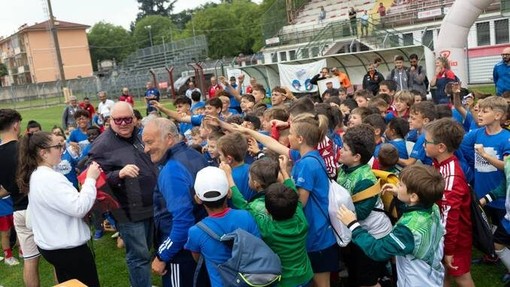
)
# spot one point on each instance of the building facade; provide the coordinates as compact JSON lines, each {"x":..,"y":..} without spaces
{"x":30,"y":56}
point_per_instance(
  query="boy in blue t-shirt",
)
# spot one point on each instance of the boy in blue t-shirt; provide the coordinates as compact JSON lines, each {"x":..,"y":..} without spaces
{"x":309,"y":174}
{"x":212,"y":190}
{"x":212,"y":109}
{"x":485,"y":148}
{"x":420,"y":114}
{"x":232,"y":149}
{"x":395,"y":133}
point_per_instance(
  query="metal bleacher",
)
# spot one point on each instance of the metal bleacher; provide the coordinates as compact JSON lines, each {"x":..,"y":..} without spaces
{"x":177,"y":53}
{"x":407,"y":12}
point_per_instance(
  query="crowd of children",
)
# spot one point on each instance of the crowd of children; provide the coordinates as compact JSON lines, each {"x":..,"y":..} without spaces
{"x":271,"y":160}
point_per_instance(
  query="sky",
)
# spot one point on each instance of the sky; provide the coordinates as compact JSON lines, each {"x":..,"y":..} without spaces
{"x":15,"y":13}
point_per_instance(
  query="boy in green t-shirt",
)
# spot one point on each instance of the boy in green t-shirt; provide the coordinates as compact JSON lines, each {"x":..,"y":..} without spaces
{"x":279,"y":216}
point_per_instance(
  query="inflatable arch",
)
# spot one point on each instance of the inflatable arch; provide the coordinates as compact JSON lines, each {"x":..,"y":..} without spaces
{"x":452,"y":38}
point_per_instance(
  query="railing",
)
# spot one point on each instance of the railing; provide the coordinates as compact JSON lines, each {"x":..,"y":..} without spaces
{"x":279,"y":15}
{"x":378,"y":37}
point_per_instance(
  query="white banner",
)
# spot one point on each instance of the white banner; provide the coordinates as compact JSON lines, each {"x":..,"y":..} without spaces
{"x":297,"y":77}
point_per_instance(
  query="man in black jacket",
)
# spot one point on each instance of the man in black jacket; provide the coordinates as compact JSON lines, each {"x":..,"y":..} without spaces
{"x":132,"y":178}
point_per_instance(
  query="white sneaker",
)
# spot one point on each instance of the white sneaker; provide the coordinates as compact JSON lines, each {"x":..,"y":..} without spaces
{"x":1,"y":258}
{"x":115,"y":235}
{"x":11,"y":261}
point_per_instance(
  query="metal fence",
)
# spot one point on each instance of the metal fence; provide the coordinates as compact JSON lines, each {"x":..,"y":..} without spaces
{"x":52,"y":93}
{"x":276,"y":16}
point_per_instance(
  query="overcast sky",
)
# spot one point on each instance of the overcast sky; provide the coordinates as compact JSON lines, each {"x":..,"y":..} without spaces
{"x":15,"y":13}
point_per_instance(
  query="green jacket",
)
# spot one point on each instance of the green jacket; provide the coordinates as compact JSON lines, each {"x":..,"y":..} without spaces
{"x":356,"y":179}
{"x":286,"y":238}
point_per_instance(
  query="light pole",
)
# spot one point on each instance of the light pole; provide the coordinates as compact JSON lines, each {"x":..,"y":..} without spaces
{"x":193,"y":28}
{"x":149,"y":28}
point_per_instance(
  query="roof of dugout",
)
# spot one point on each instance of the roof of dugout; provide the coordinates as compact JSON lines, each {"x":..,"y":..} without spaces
{"x":354,"y":64}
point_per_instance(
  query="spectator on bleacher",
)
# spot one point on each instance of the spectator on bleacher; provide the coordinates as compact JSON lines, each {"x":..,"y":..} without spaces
{"x":323,"y":74}
{"x":382,"y":13}
{"x":342,"y":77}
{"x":381,"y":10}
{"x":215,"y":86}
{"x":444,"y":75}
{"x":419,"y":81}
{"x":372,"y":80}
{"x":501,"y":73}
{"x":126,"y":97}
{"x":151,"y":94}
{"x":68,"y":114}
{"x":400,"y":74}
{"x":353,"y":21}
{"x":86,"y":105}
{"x":364,"y":23}
{"x":322,"y":15}
{"x":191,"y":88}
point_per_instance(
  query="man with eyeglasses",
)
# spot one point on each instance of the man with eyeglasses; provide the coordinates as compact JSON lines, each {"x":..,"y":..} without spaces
{"x":501,"y":73}
{"x":132,"y":177}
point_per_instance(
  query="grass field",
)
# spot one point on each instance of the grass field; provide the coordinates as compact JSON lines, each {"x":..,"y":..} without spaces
{"x":111,"y":261}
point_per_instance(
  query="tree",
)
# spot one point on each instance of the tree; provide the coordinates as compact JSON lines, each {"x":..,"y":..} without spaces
{"x":230,"y":29}
{"x":155,"y":7}
{"x":159,"y":28}
{"x":108,"y":41}
{"x":3,"y":70}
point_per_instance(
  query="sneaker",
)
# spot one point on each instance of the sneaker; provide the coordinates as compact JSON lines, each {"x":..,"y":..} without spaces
{"x":98,"y":234}
{"x":486,"y":259}
{"x":1,"y":258}
{"x":11,"y":261}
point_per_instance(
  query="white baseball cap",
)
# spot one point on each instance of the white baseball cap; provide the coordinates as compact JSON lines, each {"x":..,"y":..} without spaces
{"x":211,"y":184}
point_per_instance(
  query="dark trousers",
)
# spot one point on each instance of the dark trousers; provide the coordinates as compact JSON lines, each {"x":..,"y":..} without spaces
{"x":73,"y":263}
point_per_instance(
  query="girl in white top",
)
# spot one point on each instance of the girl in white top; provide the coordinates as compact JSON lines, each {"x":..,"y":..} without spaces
{"x":56,"y":209}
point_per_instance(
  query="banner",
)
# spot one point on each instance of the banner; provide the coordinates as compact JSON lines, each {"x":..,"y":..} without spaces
{"x":297,"y":77}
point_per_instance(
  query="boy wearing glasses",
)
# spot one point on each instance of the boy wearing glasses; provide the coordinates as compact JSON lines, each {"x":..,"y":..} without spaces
{"x":501,"y":73}
{"x":443,"y":138}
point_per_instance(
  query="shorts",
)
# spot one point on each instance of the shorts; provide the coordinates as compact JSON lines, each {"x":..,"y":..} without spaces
{"x":363,"y":271}
{"x":25,"y":236}
{"x":461,"y":260}
{"x":325,"y":260}
{"x":6,"y":222}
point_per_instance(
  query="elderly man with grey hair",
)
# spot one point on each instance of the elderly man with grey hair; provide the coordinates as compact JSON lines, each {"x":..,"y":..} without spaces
{"x":68,"y":114}
{"x":174,"y":209}
{"x":132,"y":178}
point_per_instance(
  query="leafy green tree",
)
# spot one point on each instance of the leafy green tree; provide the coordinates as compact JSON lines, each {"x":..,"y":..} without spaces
{"x":108,"y":41}
{"x":155,"y":7}
{"x":230,"y":28}
{"x":3,"y":70}
{"x":160,"y":29}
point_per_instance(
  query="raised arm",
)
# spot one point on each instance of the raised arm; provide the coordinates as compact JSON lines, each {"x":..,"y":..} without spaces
{"x":267,"y":141}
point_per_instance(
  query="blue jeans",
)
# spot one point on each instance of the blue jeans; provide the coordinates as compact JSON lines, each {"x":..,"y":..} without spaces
{"x":137,"y":238}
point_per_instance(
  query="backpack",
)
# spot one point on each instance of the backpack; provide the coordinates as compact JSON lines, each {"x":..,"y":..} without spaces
{"x":252,"y":262}
{"x":481,"y":229}
{"x":337,"y":196}
{"x":106,"y":201}
{"x":389,"y":201}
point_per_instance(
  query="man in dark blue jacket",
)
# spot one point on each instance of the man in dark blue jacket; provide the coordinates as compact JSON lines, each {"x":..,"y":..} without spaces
{"x":132,"y":178}
{"x":174,"y":209}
